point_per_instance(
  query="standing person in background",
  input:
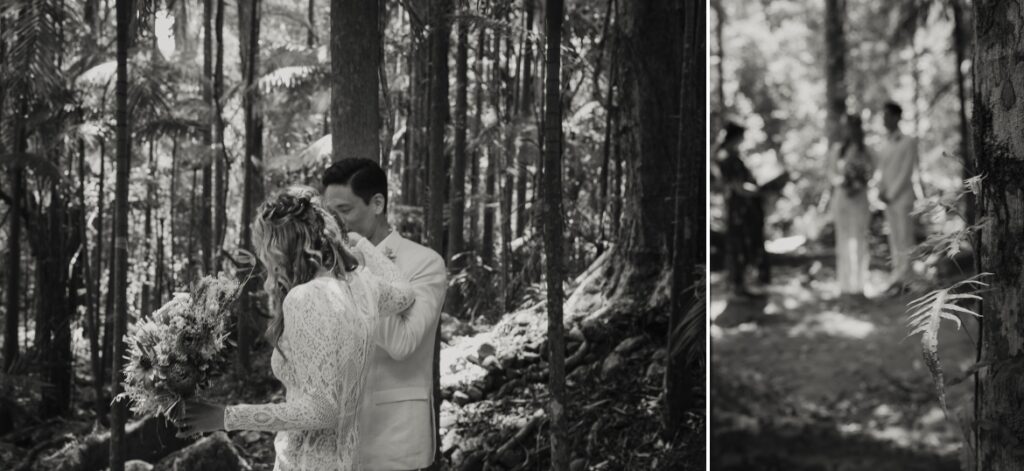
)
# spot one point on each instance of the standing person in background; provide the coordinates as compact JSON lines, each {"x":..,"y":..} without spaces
{"x":897,"y":159}
{"x":849,"y":169}
{"x":744,"y":244}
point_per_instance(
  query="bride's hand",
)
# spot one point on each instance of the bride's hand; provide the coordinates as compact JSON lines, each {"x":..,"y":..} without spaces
{"x":354,"y":238}
{"x":198,"y":417}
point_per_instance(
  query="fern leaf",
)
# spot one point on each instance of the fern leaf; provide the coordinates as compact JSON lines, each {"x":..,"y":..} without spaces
{"x":925,"y":315}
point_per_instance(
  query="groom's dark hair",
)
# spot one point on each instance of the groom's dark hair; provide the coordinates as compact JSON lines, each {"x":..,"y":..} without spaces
{"x":364,"y":176}
{"x":893,"y":108}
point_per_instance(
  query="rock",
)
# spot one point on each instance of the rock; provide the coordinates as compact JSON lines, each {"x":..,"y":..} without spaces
{"x":511,"y":457}
{"x":474,"y":461}
{"x":474,"y":394}
{"x":611,"y":364}
{"x":491,"y":363}
{"x":137,"y":465}
{"x":460,"y":398}
{"x":523,"y":318}
{"x":659,"y":354}
{"x":575,"y":334}
{"x":578,"y":464}
{"x":629,"y":345}
{"x":528,"y":358}
{"x":213,"y":453}
{"x":485,"y":350}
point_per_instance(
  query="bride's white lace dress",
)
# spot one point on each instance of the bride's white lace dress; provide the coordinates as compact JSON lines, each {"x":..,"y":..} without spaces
{"x":325,"y":345}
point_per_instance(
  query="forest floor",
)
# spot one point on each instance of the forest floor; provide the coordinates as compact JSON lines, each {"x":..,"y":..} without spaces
{"x":804,"y":381}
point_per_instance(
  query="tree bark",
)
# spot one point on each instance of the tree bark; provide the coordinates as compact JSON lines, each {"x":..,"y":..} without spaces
{"x":526,"y":115}
{"x":441,"y":12}
{"x":355,"y":57}
{"x":252,"y":186}
{"x":999,"y":419}
{"x":206,"y":232}
{"x":119,"y":408}
{"x":690,"y":218}
{"x":458,"y":187}
{"x":609,"y":107}
{"x":959,"y":43}
{"x":220,"y":164}
{"x":835,"y":68}
{"x":553,"y":237}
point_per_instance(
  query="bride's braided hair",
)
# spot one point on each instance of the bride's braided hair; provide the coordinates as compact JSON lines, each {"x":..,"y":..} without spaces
{"x":294,"y":238}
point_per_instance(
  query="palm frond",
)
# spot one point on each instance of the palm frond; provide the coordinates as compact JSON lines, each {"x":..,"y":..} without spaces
{"x":292,"y":77}
{"x":925,"y":315}
{"x":41,"y":166}
{"x":689,"y":335}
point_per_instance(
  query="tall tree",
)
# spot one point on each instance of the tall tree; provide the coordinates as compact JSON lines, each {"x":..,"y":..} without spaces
{"x":119,"y":408}
{"x":355,"y":84}
{"x":249,"y":13}
{"x":690,"y":204}
{"x":835,"y":67}
{"x":553,"y":236}
{"x":220,"y":170}
{"x":458,"y":184}
{"x":959,"y":49}
{"x":206,"y":232}
{"x":441,"y":17}
{"x":526,"y":114}
{"x":13,"y":262}
{"x":1000,"y":156}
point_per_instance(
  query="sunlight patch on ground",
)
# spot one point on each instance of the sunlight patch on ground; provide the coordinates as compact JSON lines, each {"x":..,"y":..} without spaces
{"x":832,"y":323}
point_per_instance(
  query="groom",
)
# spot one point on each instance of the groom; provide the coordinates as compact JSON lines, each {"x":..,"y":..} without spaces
{"x":397,"y":414}
{"x":897,"y":159}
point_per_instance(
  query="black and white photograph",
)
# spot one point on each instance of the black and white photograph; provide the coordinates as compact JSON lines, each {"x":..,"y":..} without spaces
{"x":380,"y":235}
{"x":864,"y":224}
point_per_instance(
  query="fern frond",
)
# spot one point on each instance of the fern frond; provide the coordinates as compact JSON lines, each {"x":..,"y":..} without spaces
{"x":925,"y":315}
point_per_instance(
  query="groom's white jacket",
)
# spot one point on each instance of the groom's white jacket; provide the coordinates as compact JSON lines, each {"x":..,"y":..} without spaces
{"x":397,"y":416}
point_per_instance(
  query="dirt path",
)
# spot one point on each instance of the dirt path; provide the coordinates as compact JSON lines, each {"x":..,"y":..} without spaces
{"x":800,"y":381}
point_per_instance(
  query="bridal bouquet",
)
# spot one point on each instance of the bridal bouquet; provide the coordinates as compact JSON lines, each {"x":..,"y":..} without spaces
{"x":176,"y":351}
{"x":856,"y":174}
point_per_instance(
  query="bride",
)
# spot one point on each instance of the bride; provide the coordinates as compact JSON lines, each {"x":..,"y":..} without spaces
{"x":849,"y":169}
{"x":325,"y":301}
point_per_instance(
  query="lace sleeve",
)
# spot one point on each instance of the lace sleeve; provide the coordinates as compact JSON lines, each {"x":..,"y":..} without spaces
{"x":311,"y":334}
{"x":394,"y":293}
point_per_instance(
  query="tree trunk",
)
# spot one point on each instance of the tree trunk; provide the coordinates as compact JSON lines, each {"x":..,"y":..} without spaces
{"x":252,"y":186}
{"x":606,"y":146}
{"x":456,"y":224}
{"x":13,"y":279}
{"x":220,"y":164}
{"x":119,"y":408}
{"x":441,"y":13}
{"x":355,"y":57}
{"x":478,"y":105}
{"x":526,"y":115}
{"x":91,"y":278}
{"x":835,"y":68}
{"x":553,"y":237}
{"x":147,"y":283}
{"x":959,"y":43}
{"x":101,"y":374}
{"x":311,"y":18}
{"x":172,"y":209}
{"x":690,"y":217}
{"x":458,"y":186}
{"x":206,"y":232}
{"x":1000,"y":156}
